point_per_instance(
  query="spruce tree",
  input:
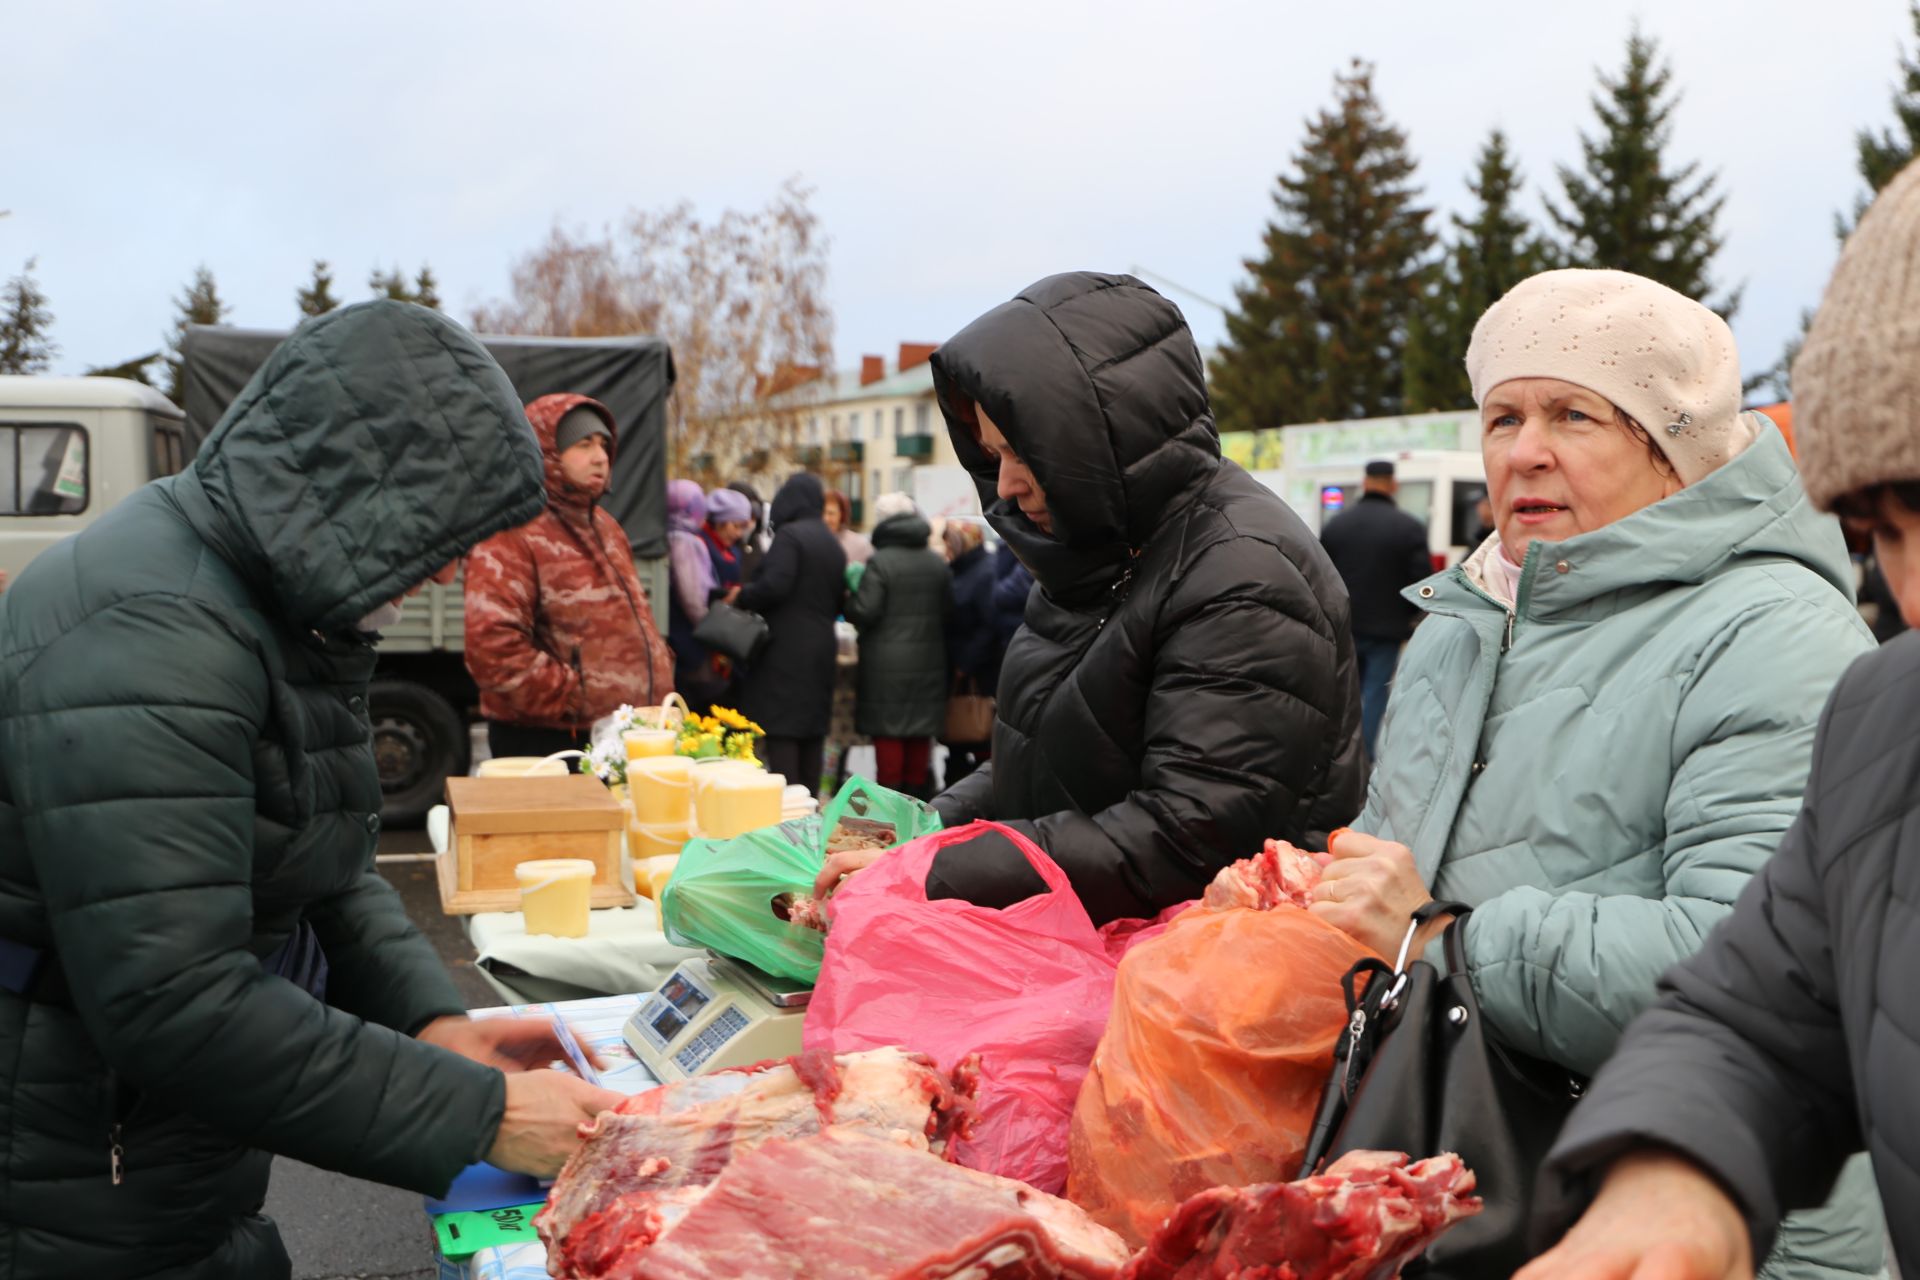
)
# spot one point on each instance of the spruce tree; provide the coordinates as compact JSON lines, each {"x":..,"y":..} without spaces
{"x":25,"y":323}
{"x":1879,"y":156}
{"x":317,"y":298}
{"x":1626,"y":208}
{"x":390,"y":284}
{"x":426,"y":290}
{"x":1487,"y":254}
{"x":1317,"y":332}
{"x":200,"y":304}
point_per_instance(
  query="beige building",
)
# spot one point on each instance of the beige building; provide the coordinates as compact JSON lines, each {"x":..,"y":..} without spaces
{"x":868,"y":429}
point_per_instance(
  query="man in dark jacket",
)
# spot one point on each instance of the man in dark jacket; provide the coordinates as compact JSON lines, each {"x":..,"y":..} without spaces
{"x":1791,"y":1040}
{"x":1380,"y":551}
{"x":798,"y":587}
{"x":1184,"y":685}
{"x":199,"y":965}
{"x":901,"y":607}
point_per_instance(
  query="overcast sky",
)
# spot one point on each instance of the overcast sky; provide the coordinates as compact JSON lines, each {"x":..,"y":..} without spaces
{"x":958,"y":151}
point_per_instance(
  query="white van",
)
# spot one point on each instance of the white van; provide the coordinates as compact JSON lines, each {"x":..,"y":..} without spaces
{"x":70,"y":448}
{"x":1436,"y":459}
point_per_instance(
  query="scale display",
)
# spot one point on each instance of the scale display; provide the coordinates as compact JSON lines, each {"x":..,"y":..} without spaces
{"x":714,"y":1013}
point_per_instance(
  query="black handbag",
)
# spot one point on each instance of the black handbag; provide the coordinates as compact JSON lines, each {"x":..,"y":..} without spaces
{"x":1418,"y":1071}
{"x":733,"y":632}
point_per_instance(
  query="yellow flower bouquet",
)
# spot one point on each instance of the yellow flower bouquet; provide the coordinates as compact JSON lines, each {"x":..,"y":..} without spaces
{"x":725,"y":734}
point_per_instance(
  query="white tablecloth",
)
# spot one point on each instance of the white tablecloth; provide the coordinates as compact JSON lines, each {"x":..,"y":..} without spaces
{"x":624,"y":951}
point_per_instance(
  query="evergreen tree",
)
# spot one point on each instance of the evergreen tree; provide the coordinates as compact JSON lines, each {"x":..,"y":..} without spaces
{"x":317,"y":298}
{"x":24,"y":325}
{"x":423,"y":289}
{"x":1879,"y":155}
{"x":1627,"y":209}
{"x":1488,"y":254}
{"x":199,"y":305}
{"x":1883,"y":153}
{"x":134,"y":370}
{"x":1317,"y":332}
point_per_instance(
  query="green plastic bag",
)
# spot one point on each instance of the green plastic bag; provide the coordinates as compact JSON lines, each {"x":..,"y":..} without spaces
{"x":721,"y":892}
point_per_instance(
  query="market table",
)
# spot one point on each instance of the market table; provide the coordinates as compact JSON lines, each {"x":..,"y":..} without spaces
{"x":624,"y":951}
{"x":596,"y":1024}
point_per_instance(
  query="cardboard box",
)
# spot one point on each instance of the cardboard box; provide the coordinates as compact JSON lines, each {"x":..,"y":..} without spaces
{"x":501,"y":822}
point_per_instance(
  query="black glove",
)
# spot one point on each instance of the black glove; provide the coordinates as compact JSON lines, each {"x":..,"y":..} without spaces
{"x":988,"y":870}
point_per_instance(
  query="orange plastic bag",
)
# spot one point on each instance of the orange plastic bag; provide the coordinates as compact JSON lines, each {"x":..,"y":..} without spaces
{"x":1219,"y":1042}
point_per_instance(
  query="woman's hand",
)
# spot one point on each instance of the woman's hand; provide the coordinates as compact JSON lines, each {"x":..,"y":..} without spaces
{"x":1369,"y":890}
{"x":1658,"y":1217}
{"x":843,"y":864}
{"x":511,"y":1044}
{"x":544,"y":1115}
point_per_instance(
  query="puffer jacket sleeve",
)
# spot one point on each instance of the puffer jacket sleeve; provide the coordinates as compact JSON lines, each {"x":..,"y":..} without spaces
{"x":773,"y":582}
{"x":868,"y":603}
{"x":968,"y":799}
{"x":1244,"y":699}
{"x":1561,"y":975}
{"x":1742,"y":1065}
{"x":379,"y":966}
{"x":502,"y":587}
{"x":143,"y":849}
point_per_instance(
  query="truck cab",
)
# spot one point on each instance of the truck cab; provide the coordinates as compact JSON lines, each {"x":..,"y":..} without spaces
{"x":70,"y":448}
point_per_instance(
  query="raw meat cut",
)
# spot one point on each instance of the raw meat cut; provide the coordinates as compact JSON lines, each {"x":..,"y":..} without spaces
{"x":683,"y":1135}
{"x":1278,"y":874}
{"x":800,"y":909}
{"x":1367,"y":1216}
{"x":850,"y":1207}
{"x":843,"y":1205}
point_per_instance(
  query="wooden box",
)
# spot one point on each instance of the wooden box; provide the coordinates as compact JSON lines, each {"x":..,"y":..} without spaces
{"x":501,"y":822}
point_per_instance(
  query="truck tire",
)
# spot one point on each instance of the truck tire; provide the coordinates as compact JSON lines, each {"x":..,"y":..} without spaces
{"x":418,"y":740}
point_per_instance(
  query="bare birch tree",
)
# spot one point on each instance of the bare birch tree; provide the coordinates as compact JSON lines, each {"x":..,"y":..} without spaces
{"x":741,"y":298}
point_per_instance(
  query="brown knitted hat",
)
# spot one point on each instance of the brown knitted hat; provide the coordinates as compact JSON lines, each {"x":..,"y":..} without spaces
{"x":1664,"y":359}
{"x":1856,"y":385}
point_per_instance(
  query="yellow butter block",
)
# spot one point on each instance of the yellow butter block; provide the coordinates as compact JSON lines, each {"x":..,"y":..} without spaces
{"x":555,"y":895}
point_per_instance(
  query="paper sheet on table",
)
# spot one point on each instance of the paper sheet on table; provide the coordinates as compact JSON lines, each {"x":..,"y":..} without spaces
{"x":624,"y":950}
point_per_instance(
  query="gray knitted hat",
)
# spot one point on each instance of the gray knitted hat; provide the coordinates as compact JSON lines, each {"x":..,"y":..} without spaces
{"x":1856,"y":385}
{"x":1666,"y":360}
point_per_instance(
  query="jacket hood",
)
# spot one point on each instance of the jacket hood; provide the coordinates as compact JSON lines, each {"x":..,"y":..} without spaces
{"x":686,"y":506}
{"x":803,"y":497}
{"x":1752,"y":507}
{"x":1098,"y":386}
{"x":907,"y":530}
{"x":544,"y":414}
{"x":376,"y":445}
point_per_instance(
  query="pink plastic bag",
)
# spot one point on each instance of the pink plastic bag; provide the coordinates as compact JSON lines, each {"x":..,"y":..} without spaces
{"x":1027,"y":988}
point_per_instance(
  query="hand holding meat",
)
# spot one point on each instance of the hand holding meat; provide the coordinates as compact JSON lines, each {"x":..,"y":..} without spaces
{"x":511,"y":1044}
{"x":541,"y":1128}
{"x":1658,"y":1217}
{"x":1370,"y":889}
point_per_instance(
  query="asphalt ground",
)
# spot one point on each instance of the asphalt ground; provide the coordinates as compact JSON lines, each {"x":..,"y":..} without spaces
{"x":340,"y":1228}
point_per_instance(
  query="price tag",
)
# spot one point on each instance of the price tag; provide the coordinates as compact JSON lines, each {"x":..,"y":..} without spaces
{"x":462,"y":1235}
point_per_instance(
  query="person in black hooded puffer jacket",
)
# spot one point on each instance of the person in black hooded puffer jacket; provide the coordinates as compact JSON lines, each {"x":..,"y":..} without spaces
{"x":1184,"y":686}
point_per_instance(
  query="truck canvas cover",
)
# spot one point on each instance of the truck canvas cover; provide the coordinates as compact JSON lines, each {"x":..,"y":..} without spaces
{"x":631,"y":376}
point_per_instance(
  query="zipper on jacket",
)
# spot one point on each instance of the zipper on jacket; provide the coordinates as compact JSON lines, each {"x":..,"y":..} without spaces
{"x":1507,"y":643}
{"x":116,"y":1156}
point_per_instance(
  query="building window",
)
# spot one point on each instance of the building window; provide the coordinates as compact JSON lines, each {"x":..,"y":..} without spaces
{"x":853,"y":426}
{"x":877,"y":490}
{"x":43,"y":470}
{"x":813,"y":429}
{"x":833,"y":428}
{"x":899,"y":422}
{"x":920,"y":413}
{"x":879,"y":423}
{"x":903,"y":477}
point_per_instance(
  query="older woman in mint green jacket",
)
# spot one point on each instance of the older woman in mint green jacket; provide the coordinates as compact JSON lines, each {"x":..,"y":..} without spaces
{"x":1603,"y":725}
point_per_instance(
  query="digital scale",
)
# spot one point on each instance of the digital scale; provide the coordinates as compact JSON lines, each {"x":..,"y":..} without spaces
{"x":715,"y":1012}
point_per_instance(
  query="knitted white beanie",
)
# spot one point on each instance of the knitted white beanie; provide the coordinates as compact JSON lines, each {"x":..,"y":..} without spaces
{"x":1662,"y":358}
{"x":888,"y":505}
{"x":1856,"y":384}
